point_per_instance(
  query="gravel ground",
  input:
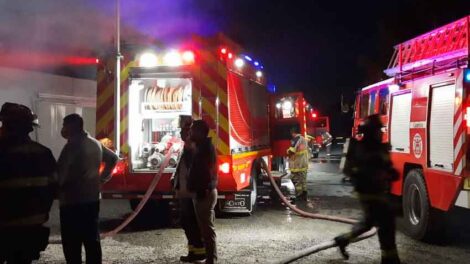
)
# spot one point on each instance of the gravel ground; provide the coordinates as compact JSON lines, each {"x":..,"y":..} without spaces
{"x":270,"y":234}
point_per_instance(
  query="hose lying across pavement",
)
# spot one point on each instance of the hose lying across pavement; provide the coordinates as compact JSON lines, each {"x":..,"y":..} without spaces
{"x":317,"y":247}
{"x":303,"y":253}
{"x":144,"y":200}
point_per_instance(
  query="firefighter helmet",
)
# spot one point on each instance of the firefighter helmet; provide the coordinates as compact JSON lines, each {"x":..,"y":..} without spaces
{"x":18,"y":113}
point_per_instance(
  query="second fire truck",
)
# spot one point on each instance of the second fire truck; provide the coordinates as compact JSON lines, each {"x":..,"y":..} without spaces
{"x":425,"y":107}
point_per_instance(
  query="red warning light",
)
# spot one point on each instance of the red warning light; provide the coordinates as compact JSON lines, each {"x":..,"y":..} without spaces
{"x":314,"y":115}
{"x":230,"y":55}
{"x":223,"y":50}
{"x":97,"y":61}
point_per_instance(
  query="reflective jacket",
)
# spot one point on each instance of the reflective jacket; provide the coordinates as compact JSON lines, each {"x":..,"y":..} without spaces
{"x":298,"y":154}
{"x":27,"y":182}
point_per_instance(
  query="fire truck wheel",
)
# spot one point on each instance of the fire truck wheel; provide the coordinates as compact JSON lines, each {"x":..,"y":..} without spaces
{"x":421,"y":221}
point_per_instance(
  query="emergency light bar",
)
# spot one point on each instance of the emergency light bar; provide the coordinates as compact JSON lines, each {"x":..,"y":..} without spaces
{"x":172,"y":58}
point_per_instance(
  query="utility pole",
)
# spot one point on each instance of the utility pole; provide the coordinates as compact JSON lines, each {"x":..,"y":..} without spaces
{"x":117,"y":83}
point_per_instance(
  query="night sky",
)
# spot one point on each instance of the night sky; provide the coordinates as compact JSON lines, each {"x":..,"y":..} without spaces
{"x":323,"y":48}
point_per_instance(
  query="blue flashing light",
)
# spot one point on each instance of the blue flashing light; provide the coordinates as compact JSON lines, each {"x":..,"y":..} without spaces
{"x":271,"y":88}
{"x":256,"y":63}
{"x":248,"y":58}
{"x":261,"y":67}
{"x":467,"y":76}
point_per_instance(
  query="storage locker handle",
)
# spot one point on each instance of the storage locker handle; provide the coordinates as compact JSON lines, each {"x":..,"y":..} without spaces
{"x":439,"y":165}
{"x":400,"y":149}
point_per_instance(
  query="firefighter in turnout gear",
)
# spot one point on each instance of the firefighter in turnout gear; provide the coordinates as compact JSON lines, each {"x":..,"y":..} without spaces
{"x":298,"y":163}
{"x":27,"y":187}
{"x":370,"y":168}
{"x":196,"y":249}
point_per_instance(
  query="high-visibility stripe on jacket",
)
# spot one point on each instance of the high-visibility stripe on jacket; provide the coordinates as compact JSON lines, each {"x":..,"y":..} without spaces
{"x":299,"y":161}
{"x":27,"y":182}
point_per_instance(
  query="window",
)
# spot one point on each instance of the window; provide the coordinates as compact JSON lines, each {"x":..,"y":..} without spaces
{"x":286,"y":108}
{"x":364,"y":107}
{"x":372,"y":103}
{"x":383,"y":101}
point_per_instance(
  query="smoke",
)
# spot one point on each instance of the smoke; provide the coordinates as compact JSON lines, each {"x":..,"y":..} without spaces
{"x":84,"y":27}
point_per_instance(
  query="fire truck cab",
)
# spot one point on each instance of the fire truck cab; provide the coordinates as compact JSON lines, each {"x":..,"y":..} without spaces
{"x":425,"y":106}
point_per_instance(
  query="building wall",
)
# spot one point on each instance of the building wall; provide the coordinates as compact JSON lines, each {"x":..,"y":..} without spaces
{"x":51,"y":97}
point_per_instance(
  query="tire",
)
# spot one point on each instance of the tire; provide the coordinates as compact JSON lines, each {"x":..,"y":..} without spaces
{"x":421,"y":221}
{"x":255,"y":172}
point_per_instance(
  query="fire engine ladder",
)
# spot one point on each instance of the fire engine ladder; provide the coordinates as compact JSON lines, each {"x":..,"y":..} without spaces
{"x":447,"y":46}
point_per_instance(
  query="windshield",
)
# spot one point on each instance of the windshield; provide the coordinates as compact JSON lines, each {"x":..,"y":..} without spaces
{"x":155,"y":105}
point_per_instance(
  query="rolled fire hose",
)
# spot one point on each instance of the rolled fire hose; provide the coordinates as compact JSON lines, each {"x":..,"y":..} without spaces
{"x":144,"y":200}
{"x":318,"y":247}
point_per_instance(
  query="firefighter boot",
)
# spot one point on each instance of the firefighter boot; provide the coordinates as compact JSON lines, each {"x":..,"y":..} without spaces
{"x":194,"y":254}
{"x":342,"y":242}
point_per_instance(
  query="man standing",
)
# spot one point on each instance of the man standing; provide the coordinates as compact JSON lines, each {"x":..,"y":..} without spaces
{"x":196,"y":250}
{"x":370,"y":168}
{"x":27,"y":171}
{"x":203,"y":181}
{"x":79,"y":187}
{"x":298,"y":163}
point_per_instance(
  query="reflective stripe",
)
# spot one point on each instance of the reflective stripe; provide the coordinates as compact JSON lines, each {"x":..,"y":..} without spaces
{"x":21,"y":182}
{"x":302,"y":152}
{"x":298,"y":170}
{"x":30,"y":220}
{"x":199,"y":251}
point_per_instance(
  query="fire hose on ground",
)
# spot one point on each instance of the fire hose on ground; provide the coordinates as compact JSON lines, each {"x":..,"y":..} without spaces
{"x":318,"y":247}
{"x":303,"y":253}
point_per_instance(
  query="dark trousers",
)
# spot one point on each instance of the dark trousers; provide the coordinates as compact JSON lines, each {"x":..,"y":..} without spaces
{"x":191,"y":227}
{"x":204,"y":208}
{"x":79,"y":226}
{"x":22,"y":245}
{"x":378,"y":212}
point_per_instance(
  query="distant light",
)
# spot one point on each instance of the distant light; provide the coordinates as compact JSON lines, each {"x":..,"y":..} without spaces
{"x":239,"y":63}
{"x":188,"y":57}
{"x":287,"y":105}
{"x":314,"y":115}
{"x":97,"y":60}
{"x":278,"y":105}
{"x":148,"y":60}
{"x":259,"y":74}
{"x":256,"y":63}
{"x":230,"y":55}
{"x":223,"y":50}
{"x":261,"y":67}
{"x":248,"y":58}
{"x":172,"y":58}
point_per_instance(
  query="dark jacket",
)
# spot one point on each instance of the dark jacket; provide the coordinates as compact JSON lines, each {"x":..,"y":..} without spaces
{"x":27,"y":182}
{"x":203,"y":171}
{"x":369,"y":167}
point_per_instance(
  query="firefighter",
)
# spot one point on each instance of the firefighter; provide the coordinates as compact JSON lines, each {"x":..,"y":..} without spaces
{"x":202,"y":180}
{"x":196,"y":250}
{"x":298,"y":163}
{"x":27,"y":187}
{"x":370,"y":168}
{"x":80,"y":179}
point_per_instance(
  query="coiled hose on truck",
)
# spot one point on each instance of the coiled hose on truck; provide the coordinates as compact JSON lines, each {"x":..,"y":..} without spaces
{"x":303,"y":253}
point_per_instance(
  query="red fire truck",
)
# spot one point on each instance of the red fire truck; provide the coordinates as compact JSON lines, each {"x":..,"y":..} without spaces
{"x":318,"y":127}
{"x":288,"y":110}
{"x":207,"y":79}
{"x":425,"y":107}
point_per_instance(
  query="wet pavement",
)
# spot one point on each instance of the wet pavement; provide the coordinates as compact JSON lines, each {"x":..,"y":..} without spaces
{"x":271,"y":233}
